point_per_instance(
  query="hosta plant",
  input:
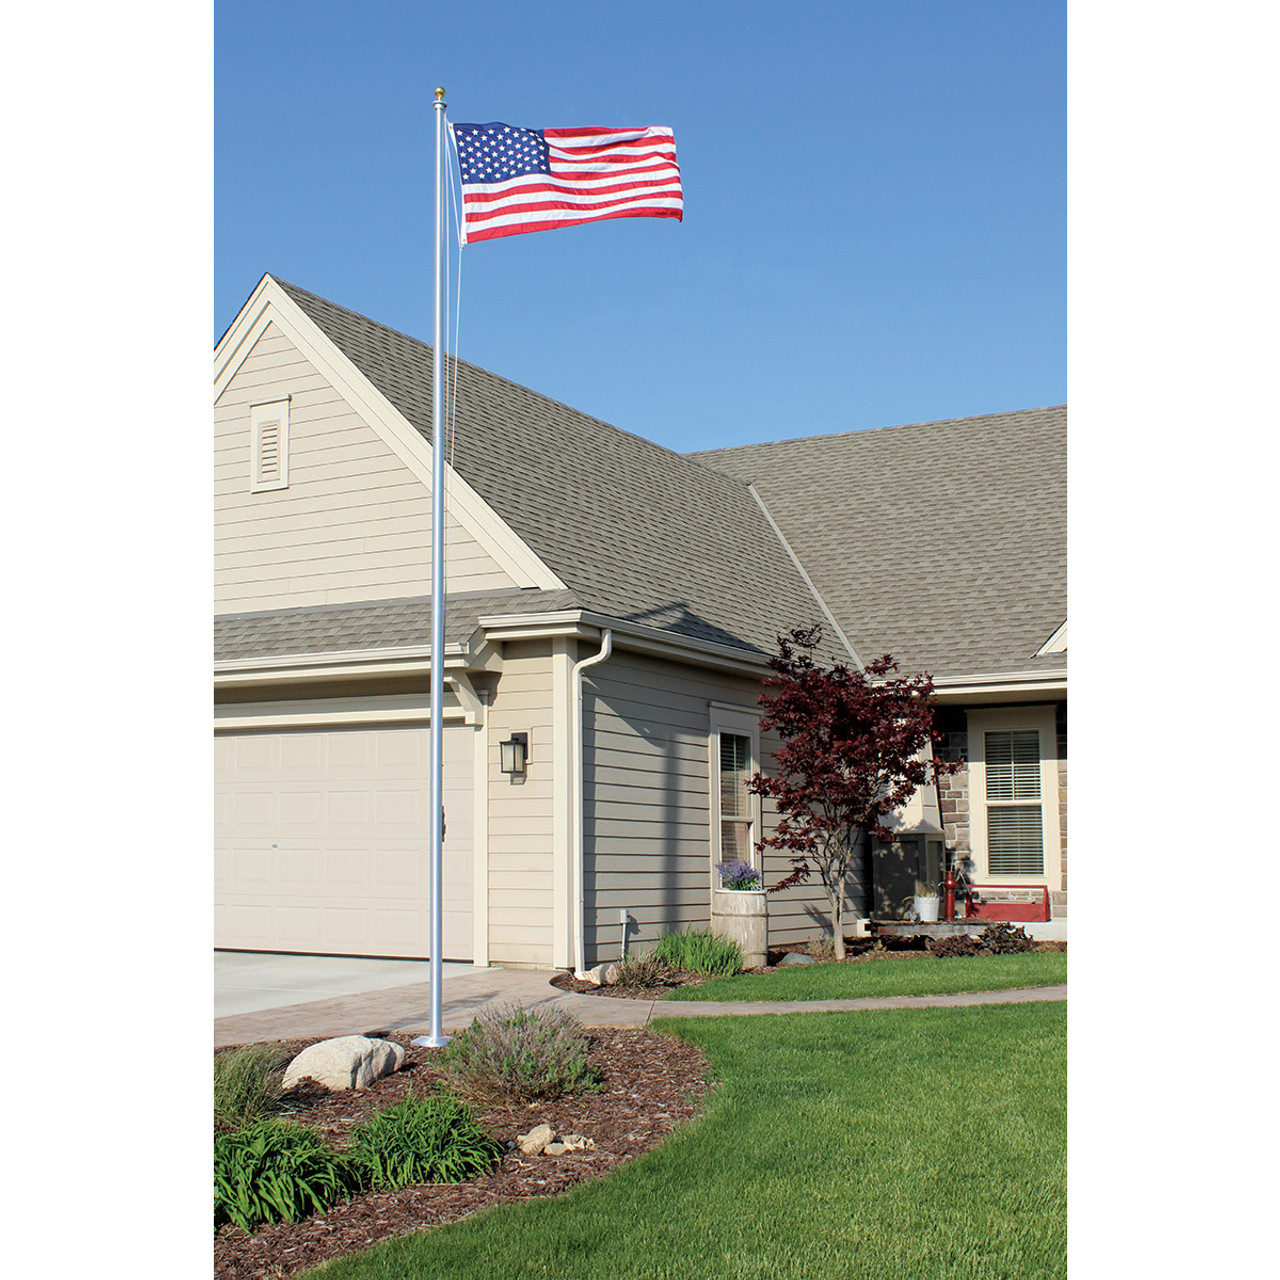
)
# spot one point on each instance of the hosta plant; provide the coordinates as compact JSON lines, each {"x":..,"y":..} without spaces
{"x":432,"y":1139}
{"x":275,"y":1171}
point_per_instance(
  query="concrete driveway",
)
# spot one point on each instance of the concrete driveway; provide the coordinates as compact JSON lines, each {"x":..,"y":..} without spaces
{"x":248,"y":981}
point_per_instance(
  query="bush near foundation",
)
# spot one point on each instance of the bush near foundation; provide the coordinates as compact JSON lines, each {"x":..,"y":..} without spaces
{"x":700,"y":951}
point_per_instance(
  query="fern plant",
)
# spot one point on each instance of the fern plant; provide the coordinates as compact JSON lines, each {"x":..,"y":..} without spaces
{"x":431,"y":1139}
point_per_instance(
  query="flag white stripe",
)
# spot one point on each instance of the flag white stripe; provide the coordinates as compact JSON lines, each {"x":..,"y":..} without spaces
{"x":486,"y":214}
{"x":567,"y":138}
{"x":511,"y":218}
{"x":663,"y":174}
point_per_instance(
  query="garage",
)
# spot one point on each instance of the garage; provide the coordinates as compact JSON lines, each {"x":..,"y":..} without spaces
{"x":321,"y":841}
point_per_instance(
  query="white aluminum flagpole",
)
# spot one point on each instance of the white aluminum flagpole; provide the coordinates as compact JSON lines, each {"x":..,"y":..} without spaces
{"x":435,"y":925}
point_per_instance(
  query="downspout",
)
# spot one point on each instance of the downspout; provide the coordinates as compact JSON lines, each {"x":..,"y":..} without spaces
{"x":579,"y":802}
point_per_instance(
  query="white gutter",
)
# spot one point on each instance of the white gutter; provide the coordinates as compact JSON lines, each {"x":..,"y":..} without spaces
{"x":579,"y":799}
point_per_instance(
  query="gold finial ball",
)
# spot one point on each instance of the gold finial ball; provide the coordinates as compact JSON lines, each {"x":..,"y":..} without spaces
{"x":439,"y":92}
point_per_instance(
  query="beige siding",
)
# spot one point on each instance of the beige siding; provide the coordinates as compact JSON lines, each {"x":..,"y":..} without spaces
{"x":353,"y":523}
{"x":521,"y":902}
{"x":648,"y":805}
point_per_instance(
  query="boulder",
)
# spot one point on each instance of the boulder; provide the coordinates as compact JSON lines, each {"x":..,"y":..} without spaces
{"x":346,"y":1062}
{"x":535,"y":1141}
{"x":603,"y":975}
{"x":795,"y":957}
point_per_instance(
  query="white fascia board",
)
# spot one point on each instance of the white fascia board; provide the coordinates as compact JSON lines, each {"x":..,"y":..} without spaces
{"x":631,"y":636}
{"x":405,"y":660}
{"x":269,"y":303}
{"x":1016,"y":684}
{"x":401,"y":708}
{"x":1056,"y":643}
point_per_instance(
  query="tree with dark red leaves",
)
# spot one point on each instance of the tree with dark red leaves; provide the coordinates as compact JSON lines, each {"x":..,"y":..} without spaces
{"x":853,"y":750}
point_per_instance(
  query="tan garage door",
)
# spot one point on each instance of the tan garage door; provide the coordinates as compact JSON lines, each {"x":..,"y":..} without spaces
{"x":321,"y":841}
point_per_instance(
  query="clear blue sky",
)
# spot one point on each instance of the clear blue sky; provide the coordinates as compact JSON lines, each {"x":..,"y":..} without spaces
{"x":875,"y":199}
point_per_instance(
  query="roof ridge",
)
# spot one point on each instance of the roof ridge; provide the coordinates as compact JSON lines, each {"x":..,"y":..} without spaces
{"x":865,"y":431}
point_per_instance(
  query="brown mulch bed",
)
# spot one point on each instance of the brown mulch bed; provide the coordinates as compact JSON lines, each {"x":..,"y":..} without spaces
{"x":650,"y":1084}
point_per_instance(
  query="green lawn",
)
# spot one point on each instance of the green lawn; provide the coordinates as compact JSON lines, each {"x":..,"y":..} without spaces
{"x":913,"y":976}
{"x":927,"y":1144}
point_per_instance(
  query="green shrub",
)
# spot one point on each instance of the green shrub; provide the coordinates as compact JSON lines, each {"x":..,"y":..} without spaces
{"x":430,"y":1139}
{"x":246,"y":1084}
{"x":645,"y":970}
{"x":700,"y":951}
{"x":510,"y":1052}
{"x":1003,"y":939}
{"x":275,"y":1171}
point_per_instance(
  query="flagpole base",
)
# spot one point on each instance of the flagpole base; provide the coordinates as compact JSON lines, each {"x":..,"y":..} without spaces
{"x":430,"y":1042}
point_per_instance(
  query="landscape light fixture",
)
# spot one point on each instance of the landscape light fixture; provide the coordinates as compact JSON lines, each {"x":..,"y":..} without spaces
{"x":515,"y":754}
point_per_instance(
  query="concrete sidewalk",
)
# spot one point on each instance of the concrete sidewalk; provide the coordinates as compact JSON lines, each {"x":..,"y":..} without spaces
{"x":464,"y":994}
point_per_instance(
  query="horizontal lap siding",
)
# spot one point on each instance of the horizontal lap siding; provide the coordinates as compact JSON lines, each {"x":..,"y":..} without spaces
{"x":520,"y":812}
{"x":648,"y":805}
{"x":354,"y":522}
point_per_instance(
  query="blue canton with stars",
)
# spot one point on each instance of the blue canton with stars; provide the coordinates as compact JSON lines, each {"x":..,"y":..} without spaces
{"x":496,"y":152}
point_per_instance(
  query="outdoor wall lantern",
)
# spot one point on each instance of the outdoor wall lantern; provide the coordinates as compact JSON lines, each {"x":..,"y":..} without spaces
{"x":515,"y":754}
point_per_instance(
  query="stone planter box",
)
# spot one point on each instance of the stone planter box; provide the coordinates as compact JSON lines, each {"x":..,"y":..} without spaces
{"x":742,"y":915}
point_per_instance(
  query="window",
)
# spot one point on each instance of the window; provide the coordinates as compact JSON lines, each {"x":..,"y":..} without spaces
{"x":735,"y":799}
{"x":1015,"y":829}
{"x":1013,"y":795}
{"x":735,"y":812}
{"x":269,"y":446}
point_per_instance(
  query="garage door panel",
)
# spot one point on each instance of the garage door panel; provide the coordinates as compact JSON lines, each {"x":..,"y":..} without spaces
{"x":322,"y":841}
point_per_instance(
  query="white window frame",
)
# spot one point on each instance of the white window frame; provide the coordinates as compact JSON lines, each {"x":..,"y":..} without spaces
{"x":261,"y":416}
{"x":1003,"y":720}
{"x":741,"y":722}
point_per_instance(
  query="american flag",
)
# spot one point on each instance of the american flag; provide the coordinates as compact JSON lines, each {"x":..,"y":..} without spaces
{"x":516,"y":180}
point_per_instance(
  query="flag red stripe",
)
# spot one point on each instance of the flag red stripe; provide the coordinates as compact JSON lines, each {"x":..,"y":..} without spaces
{"x":493,"y":233}
{"x":602,"y":191}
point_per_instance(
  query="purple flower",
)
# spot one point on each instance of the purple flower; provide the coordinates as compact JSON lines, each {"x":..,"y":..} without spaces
{"x":738,"y":874}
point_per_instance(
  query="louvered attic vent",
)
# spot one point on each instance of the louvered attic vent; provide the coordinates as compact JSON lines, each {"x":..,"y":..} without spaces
{"x":269,"y":446}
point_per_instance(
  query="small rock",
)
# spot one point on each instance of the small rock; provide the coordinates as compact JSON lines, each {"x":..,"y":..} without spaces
{"x":535,"y":1141}
{"x":576,"y":1142}
{"x":345,"y":1062}
{"x":554,"y":1149}
{"x":795,"y":957}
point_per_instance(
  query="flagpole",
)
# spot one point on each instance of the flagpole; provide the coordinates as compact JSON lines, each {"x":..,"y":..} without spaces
{"x":437,"y":1038}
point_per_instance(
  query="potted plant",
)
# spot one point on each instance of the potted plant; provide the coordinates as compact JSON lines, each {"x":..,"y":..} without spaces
{"x":739,"y":875}
{"x":925,"y":903}
{"x":739,"y":910}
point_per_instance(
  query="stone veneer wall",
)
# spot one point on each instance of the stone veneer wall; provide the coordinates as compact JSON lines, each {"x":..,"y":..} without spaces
{"x":951,"y":724}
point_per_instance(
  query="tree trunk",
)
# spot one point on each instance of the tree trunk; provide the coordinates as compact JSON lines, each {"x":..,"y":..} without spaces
{"x":837,"y":920}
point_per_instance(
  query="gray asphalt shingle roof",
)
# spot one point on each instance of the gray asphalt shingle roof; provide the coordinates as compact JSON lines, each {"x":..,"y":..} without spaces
{"x":375,"y":624}
{"x":943,"y":543}
{"x":636,"y":531}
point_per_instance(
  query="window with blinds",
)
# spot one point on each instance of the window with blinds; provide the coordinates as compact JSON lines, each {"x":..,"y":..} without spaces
{"x":1015,"y":829}
{"x":735,"y":798}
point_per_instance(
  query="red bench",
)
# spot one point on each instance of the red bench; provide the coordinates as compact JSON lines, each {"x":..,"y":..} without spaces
{"x":1008,"y":902}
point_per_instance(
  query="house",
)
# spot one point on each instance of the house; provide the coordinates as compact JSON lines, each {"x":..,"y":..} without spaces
{"x":612,"y":605}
